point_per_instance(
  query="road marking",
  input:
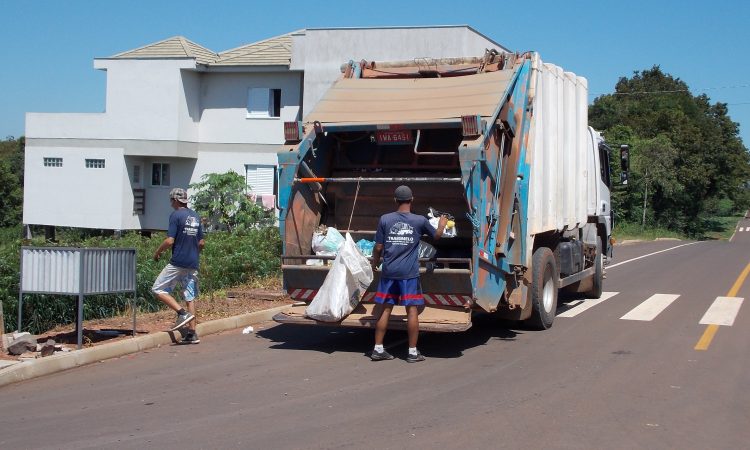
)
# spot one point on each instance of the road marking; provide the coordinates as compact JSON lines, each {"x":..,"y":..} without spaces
{"x":722,"y":311}
{"x":741,"y":229}
{"x":652,"y":307}
{"x":586,"y":304}
{"x":711,"y":330}
{"x":651,"y":254}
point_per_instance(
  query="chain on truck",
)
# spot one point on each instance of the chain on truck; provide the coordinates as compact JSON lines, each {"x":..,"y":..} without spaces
{"x":501,"y":142}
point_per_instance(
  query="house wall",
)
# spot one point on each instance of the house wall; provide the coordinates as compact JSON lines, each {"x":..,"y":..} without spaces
{"x":320,"y":52}
{"x":73,"y":195}
{"x":145,"y":100}
{"x":224,"y":107}
{"x":195,"y":119}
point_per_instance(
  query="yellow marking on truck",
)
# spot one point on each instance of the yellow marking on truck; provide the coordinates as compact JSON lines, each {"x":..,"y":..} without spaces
{"x":710,"y":332}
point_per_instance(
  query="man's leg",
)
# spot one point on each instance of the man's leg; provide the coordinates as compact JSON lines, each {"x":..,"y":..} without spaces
{"x":162,"y":288}
{"x":191,"y":309}
{"x":164,"y":283}
{"x":168,"y":300}
{"x":412,"y":325}
{"x":381,"y":326}
{"x":190,"y":294}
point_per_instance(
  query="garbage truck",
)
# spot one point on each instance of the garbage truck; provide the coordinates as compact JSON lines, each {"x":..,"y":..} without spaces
{"x":500,"y":142}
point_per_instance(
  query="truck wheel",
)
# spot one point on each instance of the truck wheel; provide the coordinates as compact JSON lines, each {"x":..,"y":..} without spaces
{"x":543,"y":289}
{"x":597,"y":282}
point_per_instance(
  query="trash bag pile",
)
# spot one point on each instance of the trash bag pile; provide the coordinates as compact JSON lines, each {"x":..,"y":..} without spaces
{"x":344,"y":286}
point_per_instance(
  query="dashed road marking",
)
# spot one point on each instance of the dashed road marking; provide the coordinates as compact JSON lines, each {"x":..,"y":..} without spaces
{"x":583,"y":306}
{"x":650,"y":308}
{"x":722,"y":311}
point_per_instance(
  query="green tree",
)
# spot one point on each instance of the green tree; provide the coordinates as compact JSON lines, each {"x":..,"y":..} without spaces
{"x":11,"y":181}
{"x":223,"y":199}
{"x":688,"y":157}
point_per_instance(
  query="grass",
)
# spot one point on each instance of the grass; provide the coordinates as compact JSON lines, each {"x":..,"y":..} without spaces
{"x":721,"y":227}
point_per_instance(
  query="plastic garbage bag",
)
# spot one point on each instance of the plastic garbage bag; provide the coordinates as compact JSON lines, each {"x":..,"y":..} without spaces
{"x":327,"y":239}
{"x":365,"y":246}
{"x":426,"y":250}
{"x":344,"y":286}
{"x":450,"y":228}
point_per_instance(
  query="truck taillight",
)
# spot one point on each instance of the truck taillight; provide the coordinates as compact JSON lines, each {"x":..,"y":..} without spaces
{"x":471,"y":125}
{"x":293,"y":131}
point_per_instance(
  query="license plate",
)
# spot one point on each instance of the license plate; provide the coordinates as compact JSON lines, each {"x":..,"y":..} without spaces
{"x":393,"y":137}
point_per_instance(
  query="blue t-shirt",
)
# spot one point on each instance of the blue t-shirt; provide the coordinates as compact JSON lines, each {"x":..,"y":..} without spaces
{"x":399,"y":233}
{"x":185,"y":228}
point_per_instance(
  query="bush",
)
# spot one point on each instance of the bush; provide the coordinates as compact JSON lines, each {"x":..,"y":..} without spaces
{"x":227,"y":260}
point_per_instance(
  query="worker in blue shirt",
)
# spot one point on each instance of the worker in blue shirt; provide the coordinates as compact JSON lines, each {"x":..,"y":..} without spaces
{"x":185,"y":238}
{"x":397,"y":240}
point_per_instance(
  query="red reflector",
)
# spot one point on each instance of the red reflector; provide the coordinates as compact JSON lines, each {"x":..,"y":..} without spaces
{"x":293,"y":131}
{"x":470,"y":125}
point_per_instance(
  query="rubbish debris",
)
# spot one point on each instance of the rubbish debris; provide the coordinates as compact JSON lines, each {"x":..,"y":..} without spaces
{"x":426,"y":250}
{"x":21,"y":344}
{"x":450,"y":227}
{"x":366,"y":247}
{"x":247,"y":330}
{"x":344,"y":285}
{"x":326,"y":239}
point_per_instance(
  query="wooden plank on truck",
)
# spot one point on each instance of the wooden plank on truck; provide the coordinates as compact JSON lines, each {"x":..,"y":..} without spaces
{"x":430,"y":319}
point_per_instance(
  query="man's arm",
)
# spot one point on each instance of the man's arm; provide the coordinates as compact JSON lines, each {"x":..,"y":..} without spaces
{"x":441,"y":227}
{"x":167,"y":243}
{"x":201,"y":244}
{"x":376,"y":252}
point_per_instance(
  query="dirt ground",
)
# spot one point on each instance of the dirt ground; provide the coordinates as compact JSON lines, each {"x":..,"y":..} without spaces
{"x":236,"y":301}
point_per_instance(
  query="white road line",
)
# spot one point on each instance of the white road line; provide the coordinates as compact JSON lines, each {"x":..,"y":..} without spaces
{"x":722,"y":311}
{"x":652,"y":307}
{"x":742,"y":229}
{"x":586,"y":304}
{"x":650,"y":254}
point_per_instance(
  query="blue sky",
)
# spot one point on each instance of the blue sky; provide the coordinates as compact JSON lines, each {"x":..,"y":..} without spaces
{"x":47,"y":47}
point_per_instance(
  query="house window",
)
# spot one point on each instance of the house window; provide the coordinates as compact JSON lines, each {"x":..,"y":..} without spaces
{"x":160,"y":174}
{"x":94,"y":163}
{"x":263,"y":102}
{"x":136,"y":174}
{"x":52,"y":162}
{"x":261,"y":183}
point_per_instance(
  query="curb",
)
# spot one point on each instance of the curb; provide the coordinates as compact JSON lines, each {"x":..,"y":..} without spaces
{"x":63,"y":361}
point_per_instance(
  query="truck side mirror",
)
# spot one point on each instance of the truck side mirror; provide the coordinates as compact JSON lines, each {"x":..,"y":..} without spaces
{"x":624,"y":163}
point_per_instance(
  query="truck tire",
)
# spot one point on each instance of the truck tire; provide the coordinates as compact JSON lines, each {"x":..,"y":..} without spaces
{"x":543,"y":290}
{"x":597,"y":281}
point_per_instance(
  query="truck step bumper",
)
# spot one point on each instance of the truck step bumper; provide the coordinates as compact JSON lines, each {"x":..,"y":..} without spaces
{"x":436,"y":319}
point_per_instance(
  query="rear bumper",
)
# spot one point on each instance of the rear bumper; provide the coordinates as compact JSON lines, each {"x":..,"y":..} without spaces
{"x":435,"y":319}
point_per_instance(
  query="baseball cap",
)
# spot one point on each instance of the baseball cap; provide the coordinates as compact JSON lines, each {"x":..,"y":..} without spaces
{"x":178,"y":194}
{"x":403,"y":193}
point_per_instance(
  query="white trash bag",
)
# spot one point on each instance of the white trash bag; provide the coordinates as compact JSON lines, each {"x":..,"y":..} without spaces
{"x":327,"y":239}
{"x":344,"y":286}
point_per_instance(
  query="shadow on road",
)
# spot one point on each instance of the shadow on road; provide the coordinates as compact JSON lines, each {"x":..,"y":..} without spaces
{"x":360,"y":340}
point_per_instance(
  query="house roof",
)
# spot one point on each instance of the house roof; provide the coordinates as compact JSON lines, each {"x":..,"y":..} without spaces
{"x":276,"y":51}
{"x":174,"y":47}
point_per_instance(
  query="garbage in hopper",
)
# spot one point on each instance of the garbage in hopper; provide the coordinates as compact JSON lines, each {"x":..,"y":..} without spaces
{"x":344,"y":286}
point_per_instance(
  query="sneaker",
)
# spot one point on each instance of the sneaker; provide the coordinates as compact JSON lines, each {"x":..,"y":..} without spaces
{"x":380,"y":356}
{"x":182,"y":319}
{"x":190,"y":338}
{"x":414,"y":358}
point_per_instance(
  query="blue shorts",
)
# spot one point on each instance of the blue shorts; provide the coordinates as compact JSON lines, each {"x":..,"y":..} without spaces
{"x":402,"y":292}
{"x":171,"y":275}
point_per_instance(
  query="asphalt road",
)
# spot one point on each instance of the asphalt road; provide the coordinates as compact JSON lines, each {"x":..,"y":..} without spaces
{"x":595,"y":380}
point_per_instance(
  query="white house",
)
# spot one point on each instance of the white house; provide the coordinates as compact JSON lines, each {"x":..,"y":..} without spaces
{"x":176,"y":111}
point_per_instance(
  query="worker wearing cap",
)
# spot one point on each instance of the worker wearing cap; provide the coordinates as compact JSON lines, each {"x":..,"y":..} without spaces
{"x":397,"y":240}
{"x":185,"y":238}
